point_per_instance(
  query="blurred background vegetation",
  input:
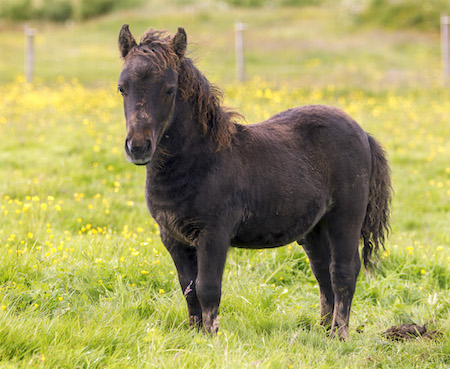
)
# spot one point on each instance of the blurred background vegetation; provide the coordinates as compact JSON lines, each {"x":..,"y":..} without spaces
{"x":420,"y":14}
{"x":59,"y":10}
{"x":369,"y":44}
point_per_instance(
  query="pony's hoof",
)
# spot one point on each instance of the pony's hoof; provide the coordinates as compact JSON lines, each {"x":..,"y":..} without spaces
{"x":211,"y":326}
{"x":342,"y":333}
{"x":195,"y":321}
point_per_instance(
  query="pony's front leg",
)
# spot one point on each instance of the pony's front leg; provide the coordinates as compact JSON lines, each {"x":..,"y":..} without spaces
{"x":185,"y":260}
{"x":211,"y":255}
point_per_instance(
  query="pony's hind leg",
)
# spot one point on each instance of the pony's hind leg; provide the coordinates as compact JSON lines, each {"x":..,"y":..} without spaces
{"x":317,"y":247}
{"x":344,"y":232}
{"x":185,"y":260}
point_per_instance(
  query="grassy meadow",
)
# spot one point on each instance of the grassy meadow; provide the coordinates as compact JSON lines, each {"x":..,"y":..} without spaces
{"x":85,"y":281}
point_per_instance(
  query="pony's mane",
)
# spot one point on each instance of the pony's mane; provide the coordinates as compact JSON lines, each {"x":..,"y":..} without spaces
{"x":206,"y":98}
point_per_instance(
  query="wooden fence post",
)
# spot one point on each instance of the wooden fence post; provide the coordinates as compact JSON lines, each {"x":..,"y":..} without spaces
{"x":239,"y":28}
{"x":29,"y":53}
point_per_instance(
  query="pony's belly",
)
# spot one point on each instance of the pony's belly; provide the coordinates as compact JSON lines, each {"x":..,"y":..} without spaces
{"x":276,"y":227}
{"x":266,"y":242}
{"x":267,"y":237}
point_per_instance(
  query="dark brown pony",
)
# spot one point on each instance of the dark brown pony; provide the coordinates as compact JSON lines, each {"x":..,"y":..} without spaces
{"x":309,"y":174}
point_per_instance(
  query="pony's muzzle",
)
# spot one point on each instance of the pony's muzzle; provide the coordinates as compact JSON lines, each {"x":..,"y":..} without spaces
{"x":138,"y":151}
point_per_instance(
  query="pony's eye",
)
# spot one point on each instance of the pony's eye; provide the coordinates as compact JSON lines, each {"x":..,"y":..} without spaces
{"x":170,"y":91}
{"x":121,"y":90}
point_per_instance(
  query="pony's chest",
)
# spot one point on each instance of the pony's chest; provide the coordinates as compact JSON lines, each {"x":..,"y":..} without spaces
{"x":175,"y":185}
{"x":172,"y":207}
{"x":169,"y":199}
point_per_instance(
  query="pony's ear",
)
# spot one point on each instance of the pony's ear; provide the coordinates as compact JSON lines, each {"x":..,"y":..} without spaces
{"x":126,"y":40}
{"x":179,"y":42}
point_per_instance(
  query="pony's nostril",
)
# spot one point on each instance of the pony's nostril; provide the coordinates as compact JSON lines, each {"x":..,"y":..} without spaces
{"x":138,"y":148}
{"x":129,"y":145}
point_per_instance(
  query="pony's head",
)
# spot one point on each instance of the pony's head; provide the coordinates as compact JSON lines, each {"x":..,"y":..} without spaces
{"x":149,"y":85}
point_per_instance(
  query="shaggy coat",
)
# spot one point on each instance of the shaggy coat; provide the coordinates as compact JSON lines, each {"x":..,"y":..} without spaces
{"x":309,"y":174}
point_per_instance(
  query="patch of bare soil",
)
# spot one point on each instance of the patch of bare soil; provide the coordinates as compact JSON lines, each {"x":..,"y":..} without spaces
{"x":409,"y":331}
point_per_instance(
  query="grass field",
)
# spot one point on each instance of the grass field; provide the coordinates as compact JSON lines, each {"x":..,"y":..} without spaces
{"x":84,"y":279}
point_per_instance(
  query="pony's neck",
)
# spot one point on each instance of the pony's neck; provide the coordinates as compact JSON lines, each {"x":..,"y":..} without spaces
{"x":183,"y":141}
{"x":200,"y":126}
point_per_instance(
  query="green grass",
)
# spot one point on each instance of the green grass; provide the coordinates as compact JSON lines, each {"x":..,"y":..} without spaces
{"x":84,"y":279}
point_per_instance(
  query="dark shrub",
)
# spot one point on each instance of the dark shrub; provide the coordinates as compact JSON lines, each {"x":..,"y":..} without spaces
{"x":55,"y":10}
{"x":16,"y":9}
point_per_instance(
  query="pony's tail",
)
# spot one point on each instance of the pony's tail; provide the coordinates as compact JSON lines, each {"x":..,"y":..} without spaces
{"x":376,"y":227}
